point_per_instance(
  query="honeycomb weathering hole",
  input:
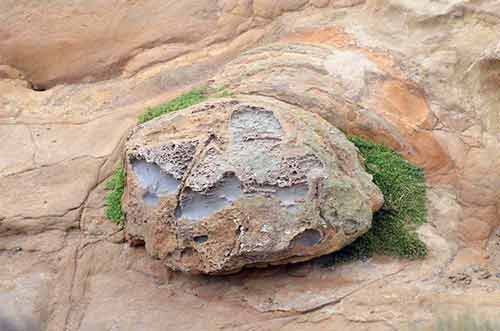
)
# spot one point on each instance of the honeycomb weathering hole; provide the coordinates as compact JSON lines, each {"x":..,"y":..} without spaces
{"x":200,"y":239}
{"x":37,"y":87}
{"x":308,"y":238}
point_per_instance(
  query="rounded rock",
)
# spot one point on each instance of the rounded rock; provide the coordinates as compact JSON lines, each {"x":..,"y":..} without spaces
{"x":244,"y":182}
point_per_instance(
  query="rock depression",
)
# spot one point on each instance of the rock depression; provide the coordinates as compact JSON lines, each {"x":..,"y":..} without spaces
{"x":236,"y":183}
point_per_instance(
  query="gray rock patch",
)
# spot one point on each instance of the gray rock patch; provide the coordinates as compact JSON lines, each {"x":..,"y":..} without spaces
{"x":156,"y":183}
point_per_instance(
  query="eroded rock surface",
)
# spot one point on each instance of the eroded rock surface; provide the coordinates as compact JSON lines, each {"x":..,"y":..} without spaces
{"x":103,"y":40}
{"x":355,"y":80}
{"x":232,"y":183}
{"x":64,"y":266}
{"x":356,"y":89}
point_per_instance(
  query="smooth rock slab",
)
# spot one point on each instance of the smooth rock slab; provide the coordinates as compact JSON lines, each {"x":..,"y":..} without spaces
{"x":246,"y":182}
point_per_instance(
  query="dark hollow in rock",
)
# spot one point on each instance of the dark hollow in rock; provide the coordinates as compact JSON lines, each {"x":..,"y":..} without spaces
{"x":37,"y":87}
{"x":200,"y":239}
{"x":308,"y":238}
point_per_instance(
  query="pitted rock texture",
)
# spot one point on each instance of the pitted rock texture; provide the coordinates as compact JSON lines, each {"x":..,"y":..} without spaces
{"x":251,"y":183}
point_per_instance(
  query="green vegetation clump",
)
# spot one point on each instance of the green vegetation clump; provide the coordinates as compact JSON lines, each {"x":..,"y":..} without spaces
{"x":221,"y":92}
{"x":393,"y":229}
{"x":116,"y":186}
{"x":186,"y":100}
{"x":467,"y":321}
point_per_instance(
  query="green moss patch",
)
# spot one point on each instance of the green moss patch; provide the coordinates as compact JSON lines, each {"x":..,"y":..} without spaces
{"x":468,"y":321}
{"x":393,"y":229}
{"x":115,"y":187}
{"x":186,"y":100}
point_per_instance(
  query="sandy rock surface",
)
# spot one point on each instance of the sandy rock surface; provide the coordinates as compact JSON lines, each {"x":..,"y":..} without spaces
{"x":75,"y":75}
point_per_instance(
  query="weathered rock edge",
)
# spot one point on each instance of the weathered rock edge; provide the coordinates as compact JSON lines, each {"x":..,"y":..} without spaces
{"x":244,"y":182}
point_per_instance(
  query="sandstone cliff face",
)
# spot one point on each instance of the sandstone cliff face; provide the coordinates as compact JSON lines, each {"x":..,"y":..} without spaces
{"x":61,"y":41}
{"x":425,"y":81}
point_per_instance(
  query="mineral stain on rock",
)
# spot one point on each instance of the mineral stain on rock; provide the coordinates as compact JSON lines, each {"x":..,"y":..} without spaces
{"x":154,"y":181}
{"x":198,"y":205}
{"x":20,"y":323}
{"x":290,"y":197}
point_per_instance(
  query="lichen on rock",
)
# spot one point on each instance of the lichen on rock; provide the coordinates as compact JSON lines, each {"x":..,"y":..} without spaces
{"x":244,"y":182}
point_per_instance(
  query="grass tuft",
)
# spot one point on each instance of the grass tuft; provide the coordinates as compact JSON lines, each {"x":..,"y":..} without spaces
{"x":393,"y":229}
{"x":184,"y":101}
{"x":115,"y":185}
{"x":466,"y":322}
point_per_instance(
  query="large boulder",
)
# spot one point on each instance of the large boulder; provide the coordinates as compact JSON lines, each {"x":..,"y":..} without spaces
{"x":247,"y":182}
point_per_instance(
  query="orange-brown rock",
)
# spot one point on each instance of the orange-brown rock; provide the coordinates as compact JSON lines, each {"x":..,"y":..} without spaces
{"x":71,"y":41}
{"x":230,"y":184}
